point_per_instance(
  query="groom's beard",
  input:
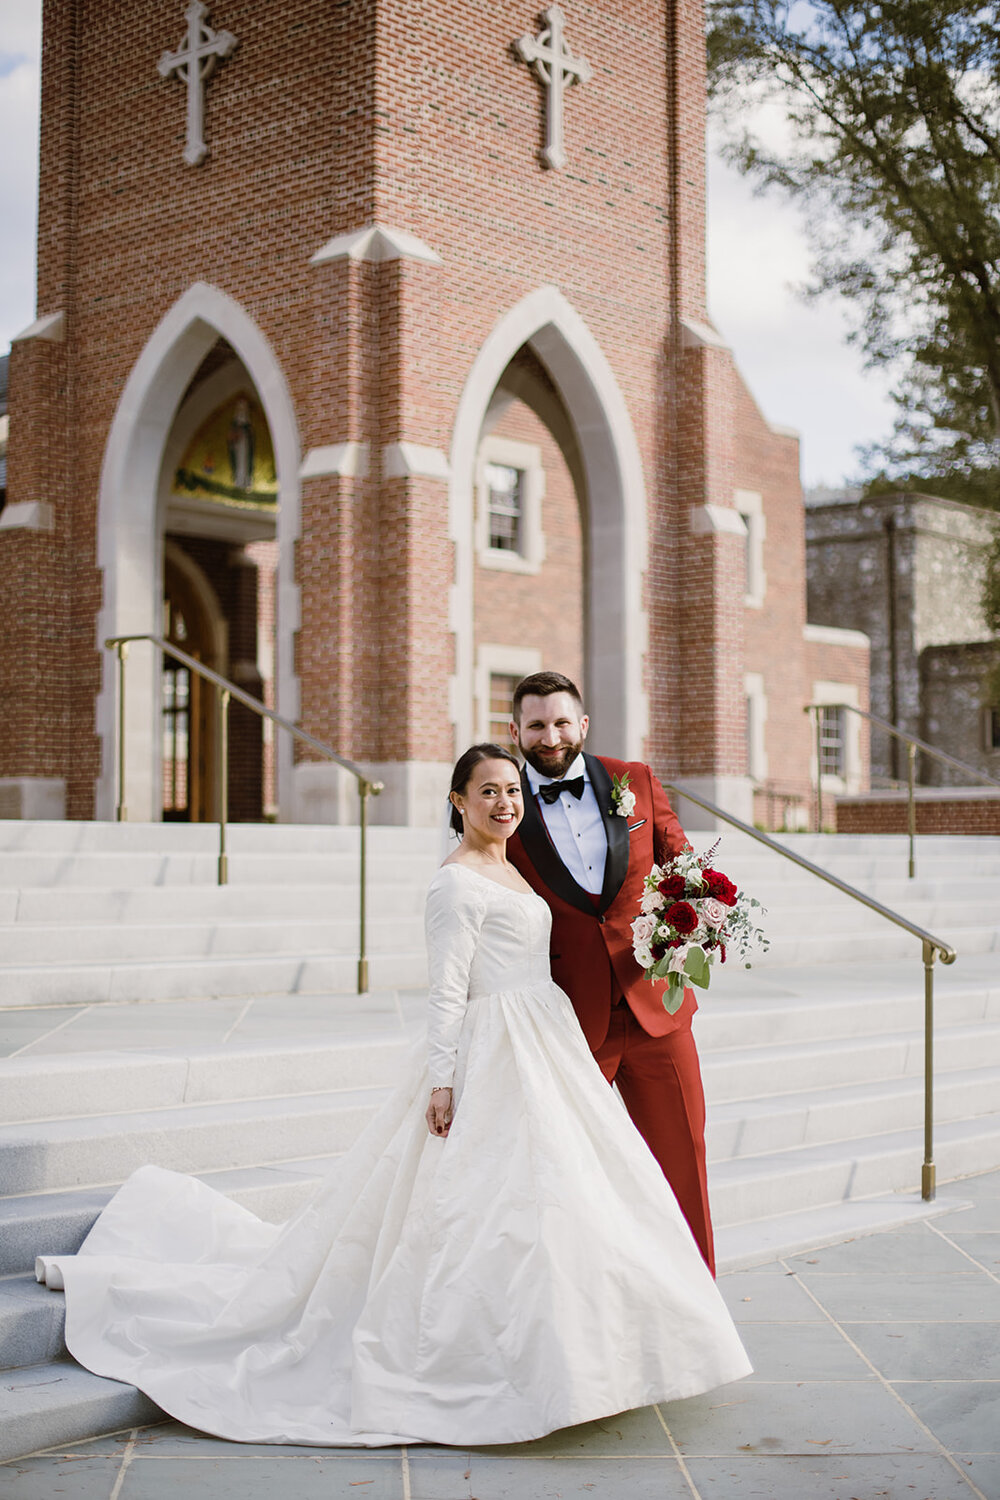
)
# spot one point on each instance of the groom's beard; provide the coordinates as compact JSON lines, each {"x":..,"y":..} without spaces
{"x":554,"y":763}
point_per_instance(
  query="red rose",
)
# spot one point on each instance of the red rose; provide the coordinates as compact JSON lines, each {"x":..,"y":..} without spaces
{"x":658,"y":949}
{"x":672,"y":886}
{"x":720,"y":886}
{"x":682,"y":916}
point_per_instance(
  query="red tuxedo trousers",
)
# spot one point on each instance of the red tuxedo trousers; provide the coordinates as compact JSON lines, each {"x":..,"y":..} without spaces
{"x":659,"y":1078}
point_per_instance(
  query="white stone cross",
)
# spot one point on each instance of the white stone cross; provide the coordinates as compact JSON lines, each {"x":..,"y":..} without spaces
{"x":193,"y":62}
{"x":554,"y":63}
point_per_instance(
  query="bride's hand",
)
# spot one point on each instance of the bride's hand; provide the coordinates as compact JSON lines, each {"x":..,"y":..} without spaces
{"x":439,"y":1112}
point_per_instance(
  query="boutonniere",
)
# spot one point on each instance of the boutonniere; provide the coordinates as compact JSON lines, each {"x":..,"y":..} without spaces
{"x":622,"y":798}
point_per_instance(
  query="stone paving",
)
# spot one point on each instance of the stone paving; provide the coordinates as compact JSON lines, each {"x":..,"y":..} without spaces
{"x":877,"y":1378}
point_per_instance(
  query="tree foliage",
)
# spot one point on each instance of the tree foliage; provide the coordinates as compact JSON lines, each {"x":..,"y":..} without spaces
{"x":891,"y":135}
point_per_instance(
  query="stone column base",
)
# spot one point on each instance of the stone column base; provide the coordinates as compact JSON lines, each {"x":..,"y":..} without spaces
{"x":415,"y":794}
{"x":734,"y":794}
{"x":39,"y":797}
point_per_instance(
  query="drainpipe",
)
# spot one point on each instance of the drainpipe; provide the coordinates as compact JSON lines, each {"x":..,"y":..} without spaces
{"x":889,"y":525}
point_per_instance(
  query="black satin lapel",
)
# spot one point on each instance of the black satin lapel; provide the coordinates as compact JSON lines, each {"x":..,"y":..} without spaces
{"x":616,"y":865}
{"x":542,"y":853}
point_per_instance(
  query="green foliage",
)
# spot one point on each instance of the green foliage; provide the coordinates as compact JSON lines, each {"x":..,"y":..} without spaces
{"x":892,"y":139}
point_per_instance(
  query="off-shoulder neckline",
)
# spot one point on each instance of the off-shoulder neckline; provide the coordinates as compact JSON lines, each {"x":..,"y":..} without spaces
{"x":455,"y":865}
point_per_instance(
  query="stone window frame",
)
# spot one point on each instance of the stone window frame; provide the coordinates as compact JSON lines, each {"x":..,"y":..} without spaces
{"x":829,"y":693}
{"x":494,"y":659}
{"x":756,"y":704}
{"x":750,"y":505}
{"x":527,"y":459}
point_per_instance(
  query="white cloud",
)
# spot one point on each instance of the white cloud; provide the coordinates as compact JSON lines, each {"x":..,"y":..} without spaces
{"x":20,"y":28}
{"x":793,"y":354}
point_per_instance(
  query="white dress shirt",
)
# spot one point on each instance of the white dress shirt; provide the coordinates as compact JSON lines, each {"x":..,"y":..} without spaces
{"x":576,"y":828}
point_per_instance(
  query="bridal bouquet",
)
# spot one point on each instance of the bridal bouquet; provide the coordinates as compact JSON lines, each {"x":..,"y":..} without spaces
{"x":690,"y":913}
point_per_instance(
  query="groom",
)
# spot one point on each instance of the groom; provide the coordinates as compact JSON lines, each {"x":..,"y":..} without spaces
{"x":587,"y":859}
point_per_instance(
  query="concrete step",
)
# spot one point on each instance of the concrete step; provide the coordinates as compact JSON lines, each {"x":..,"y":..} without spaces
{"x":117,"y":871}
{"x":46,"y":1405}
{"x":811,"y":1177}
{"x":754,"y":1127}
{"x":32,"y":1323}
{"x":241,"y":838}
{"x":43,"y":1155}
{"x":56,"y":1223}
{"x":123,"y":943}
{"x":291,"y":974}
{"x":48,"y":1087}
{"x":73,"y":906}
{"x":769,"y":1071}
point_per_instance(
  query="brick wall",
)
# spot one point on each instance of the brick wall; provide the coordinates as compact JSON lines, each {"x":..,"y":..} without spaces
{"x":326,"y":119}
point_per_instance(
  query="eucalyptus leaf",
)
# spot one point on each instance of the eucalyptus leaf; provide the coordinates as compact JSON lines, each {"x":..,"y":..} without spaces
{"x":697,"y":967}
{"x":673,"y":998}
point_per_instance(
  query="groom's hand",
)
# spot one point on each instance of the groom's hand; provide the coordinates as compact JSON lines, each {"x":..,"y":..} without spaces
{"x":439,"y":1112}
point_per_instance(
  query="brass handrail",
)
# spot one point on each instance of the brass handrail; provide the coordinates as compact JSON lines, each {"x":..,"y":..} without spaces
{"x":228,"y":690}
{"x":932,"y":948}
{"x":913,"y":744}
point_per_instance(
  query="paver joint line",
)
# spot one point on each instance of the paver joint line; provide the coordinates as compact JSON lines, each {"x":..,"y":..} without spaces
{"x":678,"y":1455}
{"x":943,"y":1451}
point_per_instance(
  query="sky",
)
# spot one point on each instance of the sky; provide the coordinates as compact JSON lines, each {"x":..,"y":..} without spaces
{"x":793,"y":355}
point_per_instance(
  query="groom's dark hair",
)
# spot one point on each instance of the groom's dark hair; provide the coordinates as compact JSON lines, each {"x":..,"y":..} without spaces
{"x":542,"y":685}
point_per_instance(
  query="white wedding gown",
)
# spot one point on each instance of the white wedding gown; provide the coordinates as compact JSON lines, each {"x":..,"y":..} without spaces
{"x":529,"y":1272}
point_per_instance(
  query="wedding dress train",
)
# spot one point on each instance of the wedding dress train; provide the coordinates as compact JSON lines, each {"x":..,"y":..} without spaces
{"x":529,"y":1272}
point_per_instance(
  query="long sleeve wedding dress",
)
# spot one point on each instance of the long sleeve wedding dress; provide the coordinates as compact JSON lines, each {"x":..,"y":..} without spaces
{"x":528,"y":1272}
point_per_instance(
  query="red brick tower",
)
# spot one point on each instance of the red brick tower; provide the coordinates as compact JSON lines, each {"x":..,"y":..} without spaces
{"x":502,"y":432}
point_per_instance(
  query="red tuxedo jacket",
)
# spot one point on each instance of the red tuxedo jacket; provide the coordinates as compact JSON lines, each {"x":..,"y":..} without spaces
{"x":592,"y":956}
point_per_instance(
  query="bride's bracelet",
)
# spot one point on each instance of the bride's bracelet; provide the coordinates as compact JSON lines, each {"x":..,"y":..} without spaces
{"x":440,"y":1088}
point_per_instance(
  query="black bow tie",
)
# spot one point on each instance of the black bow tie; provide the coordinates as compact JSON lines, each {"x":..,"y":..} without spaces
{"x":550,"y":793}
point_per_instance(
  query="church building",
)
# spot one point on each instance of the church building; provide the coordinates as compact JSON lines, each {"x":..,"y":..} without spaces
{"x":372,"y":368}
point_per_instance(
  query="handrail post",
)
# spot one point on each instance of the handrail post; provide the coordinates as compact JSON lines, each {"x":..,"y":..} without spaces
{"x":223,"y":783}
{"x":911,"y":816}
{"x":121,"y":811}
{"x":364,"y":791}
{"x":928,"y":1173}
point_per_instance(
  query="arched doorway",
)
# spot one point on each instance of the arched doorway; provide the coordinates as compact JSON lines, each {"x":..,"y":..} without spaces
{"x":203,"y":349}
{"x":611,"y":489}
{"x":530,"y":567}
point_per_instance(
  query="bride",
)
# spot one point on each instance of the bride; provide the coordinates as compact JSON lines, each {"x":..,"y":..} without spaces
{"x":516,"y":1265}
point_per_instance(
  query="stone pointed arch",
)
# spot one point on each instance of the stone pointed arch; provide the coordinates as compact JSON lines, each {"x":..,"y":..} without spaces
{"x":616,"y":627}
{"x":130,"y":529}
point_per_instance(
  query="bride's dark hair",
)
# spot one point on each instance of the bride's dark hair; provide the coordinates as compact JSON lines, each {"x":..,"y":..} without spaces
{"x":464,"y":767}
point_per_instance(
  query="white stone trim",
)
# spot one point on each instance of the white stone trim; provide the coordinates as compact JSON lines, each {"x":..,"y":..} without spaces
{"x":348,"y":460}
{"x":528,"y":458}
{"x":616,"y":544}
{"x":28,"y":515}
{"x":519,"y":661}
{"x":377,"y":242}
{"x":413,"y":460}
{"x":756,"y":696}
{"x":130,"y":527}
{"x":695,"y":335}
{"x":708,"y":519}
{"x":750,"y":505}
{"x":833,"y":635}
{"x":839,"y":692}
{"x":52,"y":328}
{"x":779,"y":430}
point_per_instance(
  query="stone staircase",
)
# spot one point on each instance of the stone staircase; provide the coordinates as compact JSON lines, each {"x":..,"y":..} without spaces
{"x":148,"y":1015}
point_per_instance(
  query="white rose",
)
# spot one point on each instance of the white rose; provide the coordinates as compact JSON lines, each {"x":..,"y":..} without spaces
{"x":677,"y":958}
{"x":713,"y":913}
{"x":626,"y":804}
{"x":643,"y":929}
{"x":652,"y":901}
{"x":644,"y":958}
